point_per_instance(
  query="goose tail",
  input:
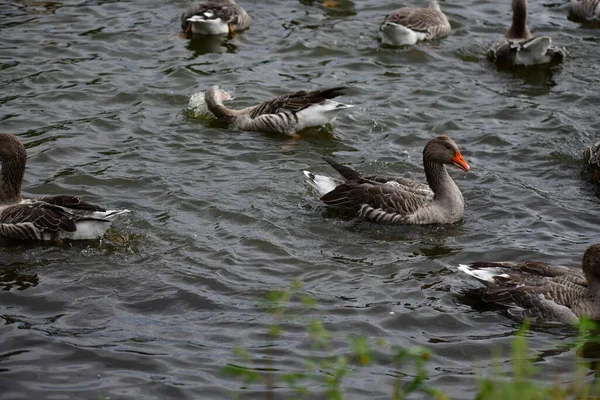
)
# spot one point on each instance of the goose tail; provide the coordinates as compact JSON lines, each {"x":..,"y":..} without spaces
{"x":322,"y":184}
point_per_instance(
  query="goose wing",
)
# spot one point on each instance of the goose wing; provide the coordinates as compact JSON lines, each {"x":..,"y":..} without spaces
{"x":29,"y":221}
{"x":390,"y":200}
{"x":71,"y":202}
{"x":295,"y":102}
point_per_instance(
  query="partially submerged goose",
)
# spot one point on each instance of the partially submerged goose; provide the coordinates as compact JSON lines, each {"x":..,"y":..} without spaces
{"x":394,"y":200}
{"x":591,"y":155}
{"x":215,"y":17}
{"x":286,"y":114}
{"x":519,"y":47}
{"x":586,"y":9}
{"x":543,"y":291}
{"x":407,"y":25}
{"x":44,"y":218}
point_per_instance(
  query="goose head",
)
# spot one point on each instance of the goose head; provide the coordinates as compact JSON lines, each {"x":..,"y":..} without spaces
{"x":443,"y":150}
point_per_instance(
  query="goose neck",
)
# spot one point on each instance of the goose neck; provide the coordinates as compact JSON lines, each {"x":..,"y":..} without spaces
{"x":11,"y":178}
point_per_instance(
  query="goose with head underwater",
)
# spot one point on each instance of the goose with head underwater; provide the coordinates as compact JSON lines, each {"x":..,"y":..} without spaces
{"x":542,"y":291}
{"x":288,"y":113}
{"x":520,"y":47}
{"x":215,"y":17}
{"x":407,"y":25}
{"x":398,"y":200}
{"x":43,"y":218}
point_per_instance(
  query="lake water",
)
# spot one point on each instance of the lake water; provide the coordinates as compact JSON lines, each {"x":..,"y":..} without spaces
{"x":98,"y":92}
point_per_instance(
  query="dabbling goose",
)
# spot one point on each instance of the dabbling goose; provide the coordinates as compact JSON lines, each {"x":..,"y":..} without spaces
{"x":543,"y":291}
{"x":286,"y":114}
{"x":393,"y":200}
{"x":591,"y":155}
{"x":586,"y":9}
{"x":44,"y":218}
{"x":214,"y":17}
{"x":406,"y":25}
{"x":519,"y":47}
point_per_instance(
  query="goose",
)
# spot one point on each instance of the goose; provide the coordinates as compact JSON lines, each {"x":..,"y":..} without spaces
{"x":591,"y":155}
{"x":43,"y":218}
{"x":519,"y":47}
{"x":392,"y":200}
{"x":215,"y":17}
{"x":287,"y":113}
{"x":408,"y":25}
{"x":543,"y":291}
{"x":586,"y":9}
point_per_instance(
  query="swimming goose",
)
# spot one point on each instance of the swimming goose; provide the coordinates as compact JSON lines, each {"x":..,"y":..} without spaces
{"x":287,"y":114}
{"x":44,"y":218}
{"x":215,"y":17}
{"x":591,"y":155}
{"x":519,"y":47}
{"x":539,"y":290}
{"x":586,"y":9}
{"x":393,"y":200}
{"x":409,"y":25}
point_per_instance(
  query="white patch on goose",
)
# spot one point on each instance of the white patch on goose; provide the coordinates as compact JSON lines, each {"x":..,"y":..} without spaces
{"x":320,"y":114}
{"x":398,"y":35}
{"x":322,"y":184}
{"x":201,"y":26}
{"x":483,"y":274}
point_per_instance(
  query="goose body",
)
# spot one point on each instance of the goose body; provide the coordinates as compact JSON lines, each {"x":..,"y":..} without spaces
{"x":215,"y":17}
{"x":286,"y":114}
{"x":586,"y":9}
{"x":400,"y":200}
{"x":543,"y":291}
{"x":406,"y":26}
{"x":44,"y":218}
{"x":519,"y":47}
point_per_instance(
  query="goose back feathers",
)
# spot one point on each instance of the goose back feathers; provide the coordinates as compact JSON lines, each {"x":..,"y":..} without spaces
{"x":400,"y":200}
{"x":406,"y":26}
{"x":286,"y":114}
{"x":214,"y":17}
{"x":44,"y":218}
{"x":543,"y":291}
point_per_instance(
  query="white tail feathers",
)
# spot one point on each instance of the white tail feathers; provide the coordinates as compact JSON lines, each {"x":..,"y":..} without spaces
{"x":322,"y":184}
{"x":483,"y":274}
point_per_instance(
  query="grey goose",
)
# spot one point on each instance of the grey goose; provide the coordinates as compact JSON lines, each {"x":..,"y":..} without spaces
{"x":408,"y":25}
{"x":520,"y":47}
{"x":586,"y":9}
{"x":43,"y":218}
{"x":398,"y":200}
{"x":285,"y":114}
{"x":543,"y":291}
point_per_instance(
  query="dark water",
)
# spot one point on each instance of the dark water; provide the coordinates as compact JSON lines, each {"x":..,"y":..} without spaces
{"x":98,"y":91}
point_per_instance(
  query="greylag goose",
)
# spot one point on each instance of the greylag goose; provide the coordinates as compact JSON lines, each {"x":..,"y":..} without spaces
{"x":410,"y":25}
{"x":286,"y":114}
{"x":591,"y":155}
{"x":399,"y":200}
{"x":519,"y":47}
{"x":215,"y":17}
{"x":44,"y":218}
{"x":543,"y":291}
{"x":586,"y":9}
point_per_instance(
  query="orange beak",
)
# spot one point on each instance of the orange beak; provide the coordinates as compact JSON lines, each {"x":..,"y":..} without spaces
{"x":460,"y":162}
{"x":189,"y":27}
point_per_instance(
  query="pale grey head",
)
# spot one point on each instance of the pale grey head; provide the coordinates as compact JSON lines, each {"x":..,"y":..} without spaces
{"x":13,"y":157}
{"x":443,"y":150}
